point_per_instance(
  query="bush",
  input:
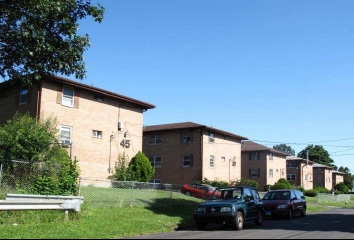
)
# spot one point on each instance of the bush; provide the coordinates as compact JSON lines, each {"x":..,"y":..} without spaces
{"x":310,"y":193}
{"x":279,"y":186}
{"x":341,"y":187}
{"x":266,"y":187}
{"x":248,"y":182}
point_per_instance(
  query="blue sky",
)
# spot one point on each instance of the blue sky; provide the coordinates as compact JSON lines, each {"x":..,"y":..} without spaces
{"x":273,"y":71}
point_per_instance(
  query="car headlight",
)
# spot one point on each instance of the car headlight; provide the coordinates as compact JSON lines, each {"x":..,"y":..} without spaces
{"x":282,"y":206}
{"x":225,"y":209}
{"x":200,"y":210}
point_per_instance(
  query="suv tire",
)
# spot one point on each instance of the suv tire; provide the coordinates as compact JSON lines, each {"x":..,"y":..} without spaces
{"x":239,"y":221}
{"x":259,"y":220}
{"x":303,"y":214}
{"x":290,"y":214}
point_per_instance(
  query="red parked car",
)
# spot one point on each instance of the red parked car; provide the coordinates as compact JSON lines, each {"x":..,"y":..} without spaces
{"x":202,"y":191}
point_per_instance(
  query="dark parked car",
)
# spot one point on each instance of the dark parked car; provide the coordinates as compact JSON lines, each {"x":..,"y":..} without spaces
{"x":230,"y":206}
{"x":202,"y":191}
{"x":284,"y":203}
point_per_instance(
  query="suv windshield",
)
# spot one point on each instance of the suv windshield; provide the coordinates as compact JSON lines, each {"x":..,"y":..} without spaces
{"x":226,"y":193}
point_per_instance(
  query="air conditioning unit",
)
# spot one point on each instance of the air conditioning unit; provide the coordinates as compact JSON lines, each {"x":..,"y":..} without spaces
{"x":120,"y":126}
{"x":66,"y":142}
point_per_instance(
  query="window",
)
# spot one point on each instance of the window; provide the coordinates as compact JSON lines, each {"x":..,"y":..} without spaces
{"x":187,"y":160}
{"x":270,"y":173}
{"x":291,"y":177}
{"x":97,"y":134}
{"x":291,"y":164}
{"x":186,"y":137}
{"x":155,"y":161}
{"x":223,"y":158}
{"x":254,"y":155}
{"x":254,"y":173}
{"x":155,"y":139}
{"x":270,"y":156}
{"x":65,"y":134}
{"x":98,"y":98}
{"x":319,"y":179}
{"x":211,"y":137}
{"x":306,"y":177}
{"x":156,"y":183}
{"x":68,"y":97}
{"x":211,"y":162}
{"x":23,"y":95}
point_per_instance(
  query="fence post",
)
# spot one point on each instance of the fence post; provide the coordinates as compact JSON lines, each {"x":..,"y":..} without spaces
{"x":131,"y":195}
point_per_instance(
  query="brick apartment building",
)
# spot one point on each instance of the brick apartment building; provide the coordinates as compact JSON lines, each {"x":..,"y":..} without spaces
{"x":97,"y":124}
{"x":188,"y":152}
{"x":262,"y":164}
{"x":322,"y":176}
{"x":299,"y":172}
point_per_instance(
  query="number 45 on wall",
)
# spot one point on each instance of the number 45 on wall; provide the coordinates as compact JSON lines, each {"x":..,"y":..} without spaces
{"x":125,"y":143}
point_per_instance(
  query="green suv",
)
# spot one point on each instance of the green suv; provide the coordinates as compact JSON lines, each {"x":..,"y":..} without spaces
{"x":230,"y":206}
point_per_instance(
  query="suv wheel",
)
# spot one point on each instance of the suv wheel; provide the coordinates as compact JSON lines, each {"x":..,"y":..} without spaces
{"x":303,"y":214}
{"x":239,"y":220}
{"x":201,"y":225}
{"x":259,"y":220}
{"x":290,"y":214}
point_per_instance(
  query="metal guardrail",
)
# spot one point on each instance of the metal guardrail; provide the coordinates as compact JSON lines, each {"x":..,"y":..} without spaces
{"x":28,"y":202}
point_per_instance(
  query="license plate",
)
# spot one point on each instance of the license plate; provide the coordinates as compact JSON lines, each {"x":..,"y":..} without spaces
{"x":268,"y":213}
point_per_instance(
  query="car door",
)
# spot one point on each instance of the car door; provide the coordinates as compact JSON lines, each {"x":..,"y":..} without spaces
{"x":294,"y":202}
{"x":250,"y":203}
{"x":301,"y":201}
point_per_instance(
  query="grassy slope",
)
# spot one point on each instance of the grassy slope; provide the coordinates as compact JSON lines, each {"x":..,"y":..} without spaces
{"x":110,"y":222}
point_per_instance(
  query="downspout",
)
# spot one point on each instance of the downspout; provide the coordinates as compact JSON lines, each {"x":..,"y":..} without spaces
{"x":38,"y":101}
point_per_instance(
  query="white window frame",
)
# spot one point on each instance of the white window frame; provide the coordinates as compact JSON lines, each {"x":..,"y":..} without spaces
{"x":270,"y":156}
{"x":254,"y":173}
{"x":155,"y":161}
{"x":291,"y":177}
{"x":187,"y":160}
{"x":24,"y":95}
{"x":155,"y":139}
{"x":270,"y":173}
{"x":254,"y":155}
{"x":65,"y":128}
{"x":211,"y":161}
{"x":211,"y":137}
{"x":291,"y":164}
{"x":97,"y":134}
{"x":68,"y":100}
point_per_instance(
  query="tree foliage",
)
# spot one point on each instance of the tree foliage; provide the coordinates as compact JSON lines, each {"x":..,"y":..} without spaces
{"x":317,"y":154}
{"x":284,"y":148}
{"x":41,"y":37}
{"x":348,"y":177}
{"x":47,"y":169}
{"x":26,"y":138}
{"x":139,"y":168}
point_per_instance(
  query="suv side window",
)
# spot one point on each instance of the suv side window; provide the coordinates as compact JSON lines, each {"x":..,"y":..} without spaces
{"x":247,"y":194}
{"x":293,"y":195}
{"x":255,"y":195}
{"x":298,"y":194}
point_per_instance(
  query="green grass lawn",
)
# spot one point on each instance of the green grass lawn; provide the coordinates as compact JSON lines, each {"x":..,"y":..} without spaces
{"x":108,"y":215}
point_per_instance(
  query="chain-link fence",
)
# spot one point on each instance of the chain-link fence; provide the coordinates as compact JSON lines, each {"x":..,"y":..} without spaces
{"x":325,"y":197}
{"x":107,"y":193}
{"x":20,"y":177}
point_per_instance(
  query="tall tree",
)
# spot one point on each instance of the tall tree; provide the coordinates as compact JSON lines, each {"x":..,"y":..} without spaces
{"x":348,"y":177}
{"x":40,"y":37}
{"x":317,"y":154}
{"x":284,"y":148}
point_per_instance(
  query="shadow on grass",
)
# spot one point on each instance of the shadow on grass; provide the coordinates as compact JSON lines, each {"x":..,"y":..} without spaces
{"x":176,"y":207}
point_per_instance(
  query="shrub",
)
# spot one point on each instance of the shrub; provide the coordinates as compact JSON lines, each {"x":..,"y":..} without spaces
{"x":279,"y":186}
{"x":310,"y":193}
{"x":341,"y":187}
{"x":248,"y":182}
{"x":266,"y":187}
{"x":141,"y":168}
